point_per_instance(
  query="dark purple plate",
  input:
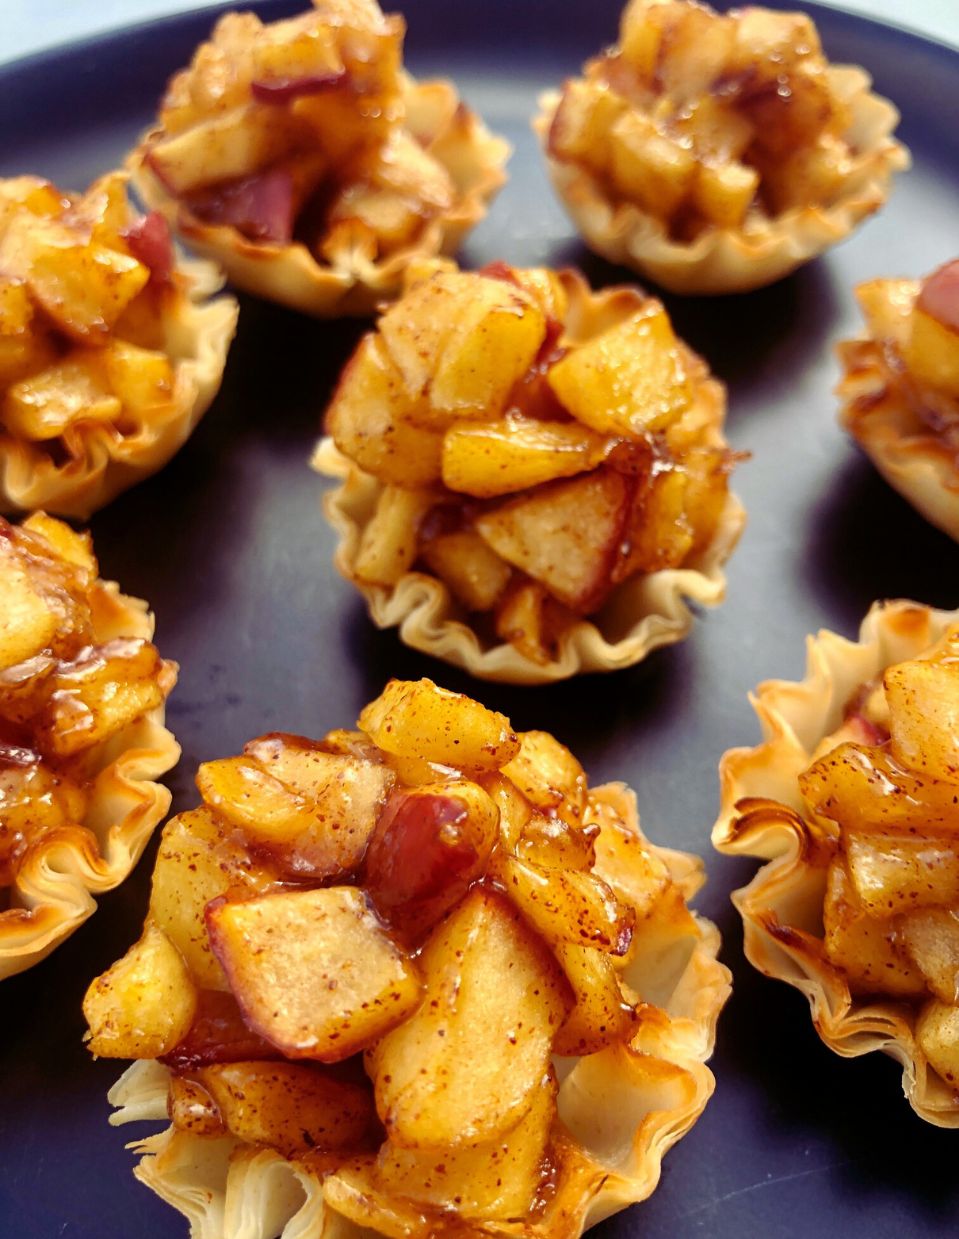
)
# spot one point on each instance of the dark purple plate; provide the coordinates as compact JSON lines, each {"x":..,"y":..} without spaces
{"x":229,"y":546}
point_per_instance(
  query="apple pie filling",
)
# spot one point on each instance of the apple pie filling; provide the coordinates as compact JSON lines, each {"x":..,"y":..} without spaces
{"x":105,"y":364}
{"x":306,"y":136}
{"x":77,"y":680}
{"x":536,"y":447}
{"x":364,"y":952}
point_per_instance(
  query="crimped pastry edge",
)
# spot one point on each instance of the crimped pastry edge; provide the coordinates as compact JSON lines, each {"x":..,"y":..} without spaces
{"x":661,"y":1085}
{"x":782,"y":906}
{"x":724,"y":260}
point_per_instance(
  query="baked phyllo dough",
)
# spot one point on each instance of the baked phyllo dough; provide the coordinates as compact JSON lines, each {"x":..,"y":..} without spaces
{"x":900,"y":389}
{"x":303,"y":158}
{"x":82,"y":739}
{"x":853,"y":799}
{"x":716,"y":153}
{"x":416,"y":978}
{"x":534,"y":476}
{"x":110,"y":348}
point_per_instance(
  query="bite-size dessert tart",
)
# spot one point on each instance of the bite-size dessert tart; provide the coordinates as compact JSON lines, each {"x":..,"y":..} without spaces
{"x":715,"y":152}
{"x":82,"y":740}
{"x":110,"y":346}
{"x":413,"y":979}
{"x":853,"y":799}
{"x":900,"y":389}
{"x":302,"y":157}
{"x":534,"y":476}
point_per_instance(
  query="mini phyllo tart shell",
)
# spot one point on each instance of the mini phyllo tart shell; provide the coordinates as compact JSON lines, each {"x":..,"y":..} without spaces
{"x":82,"y":695}
{"x":673,"y":538}
{"x":471,"y":1009}
{"x":739,"y":242}
{"x":900,"y":389}
{"x":111,"y":348}
{"x":303,"y":159}
{"x":804,"y":921}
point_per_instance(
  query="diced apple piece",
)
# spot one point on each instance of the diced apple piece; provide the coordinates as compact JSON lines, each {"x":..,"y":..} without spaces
{"x":142,"y":378}
{"x":313,"y":970}
{"x":16,"y":309}
{"x":33,"y":800}
{"x":931,"y":350}
{"x":863,"y":946}
{"x":637,"y":876}
{"x":937,"y":1032}
{"x":695,"y":49}
{"x":887,"y":307}
{"x":548,"y":842}
{"x":198,"y":861}
{"x":472,"y":569}
{"x":368,"y":418}
{"x":218,"y":1034}
{"x":388,"y":544}
{"x":27,"y":622}
{"x":658,"y":534}
{"x":722,"y":193}
{"x":629,"y":380}
{"x":569,"y":906}
{"x":222,"y":148}
{"x":582,"y":122}
{"x":549,"y":776}
{"x":99,"y":693}
{"x":931,"y":939}
{"x":148,"y":240}
{"x":647,"y":166}
{"x":417,"y":718}
{"x":489,"y":982}
{"x":641,"y":30}
{"x":515,"y":811}
{"x":430,"y":844}
{"x":466,"y":338}
{"x":939,"y":296}
{"x":487,"y":1179}
{"x":601,"y":1015}
{"x":65,"y":543}
{"x":292,"y":1107}
{"x":192,"y":1109}
{"x":295,"y":55}
{"x":486,"y":459}
{"x":894,"y":872}
{"x":521,"y":619}
{"x":144,"y":1004}
{"x":565,"y":535}
{"x":48,"y":403}
{"x":24,"y":354}
{"x":250,"y":797}
{"x":923,"y":698}
{"x":261,"y":207}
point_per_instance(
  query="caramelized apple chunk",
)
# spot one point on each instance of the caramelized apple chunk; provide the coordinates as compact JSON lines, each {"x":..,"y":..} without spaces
{"x":105,"y":362}
{"x":390,"y":1025}
{"x":302,"y":156}
{"x":505,"y":447}
{"x":82,"y":692}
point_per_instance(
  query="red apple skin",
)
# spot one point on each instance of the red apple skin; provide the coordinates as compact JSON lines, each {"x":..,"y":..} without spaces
{"x":260,"y":207}
{"x":149,"y":241}
{"x":939,"y":295}
{"x":284,"y":89}
{"x":422,"y":859}
{"x":219,"y":1034}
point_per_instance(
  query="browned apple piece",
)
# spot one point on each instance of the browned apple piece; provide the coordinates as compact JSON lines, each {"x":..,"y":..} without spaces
{"x":27,"y":621}
{"x":218,"y":1034}
{"x":937,"y":1032}
{"x":931,"y":939}
{"x":923,"y":698}
{"x":487,"y":459}
{"x":515,"y":811}
{"x":549,"y":842}
{"x":894,"y":872}
{"x":314,"y":971}
{"x":199,"y":860}
{"x":489,"y":982}
{"x":101,"y":692}
{"x":629,"y":380}
{"x":416,"y":718}
{"x":369,"y":419}
{"x":192,"y":1109}
{"x":568,"y":906}
{"x":471,"y":568}
{"x":582,"y":122}
{"x":222,"y":148}
{"x":497,"y":1178}
{"x":601,"y":1016}
{"x":522,"y":620}
{"x":430,"y":844}
{"x":865,"y":947}
{"x":248,"y":796}
{"x":658,"y":533}
{"x":389,"y":543}
{"x":292,"y":1107}
{"x":46,"y":403}
{"x":931,"y":349}
{"x":565,"y":535}
{"x":549,"y":776}
{"x":648,"y":166}
{"x":144,"y":1005}
{"x":637,"y":876}
{"x":34,"y":799}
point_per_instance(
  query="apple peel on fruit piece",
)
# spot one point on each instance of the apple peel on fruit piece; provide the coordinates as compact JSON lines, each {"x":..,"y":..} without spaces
{"x":763,"y":814}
